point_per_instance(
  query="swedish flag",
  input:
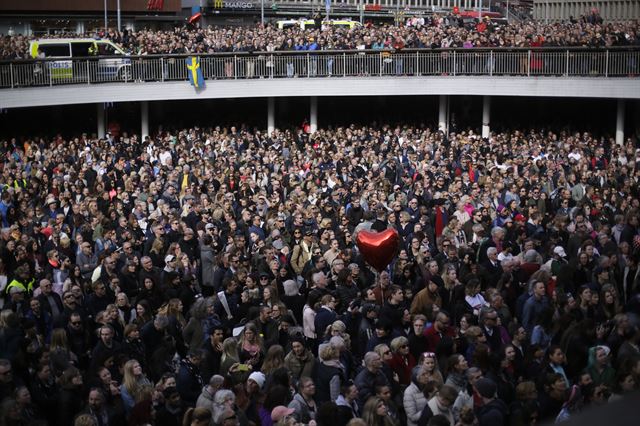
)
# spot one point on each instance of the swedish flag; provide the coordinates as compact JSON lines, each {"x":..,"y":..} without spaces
{"x":195,"y":72}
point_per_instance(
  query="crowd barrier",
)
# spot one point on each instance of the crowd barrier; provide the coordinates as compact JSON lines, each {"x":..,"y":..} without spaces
{"x":371,"y":63}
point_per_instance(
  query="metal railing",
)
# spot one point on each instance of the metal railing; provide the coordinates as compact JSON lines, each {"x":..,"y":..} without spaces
{"x":409,"y":63}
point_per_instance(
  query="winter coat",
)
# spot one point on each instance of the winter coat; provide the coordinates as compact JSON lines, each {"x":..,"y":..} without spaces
{"x":205,"y":400}
{"x":402,"y":367}
{"x":366,"y":382}
{"x":189,"y":382}
{"x":414,"y":402}
{"x":433,"y":409}
{"x":300,"y":366}
{"x":305,"y":414}
{"x":328,"y":379}
{"x":208,"y":263}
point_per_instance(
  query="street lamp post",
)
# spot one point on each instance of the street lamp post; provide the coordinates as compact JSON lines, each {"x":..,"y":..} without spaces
{"x":507,"y":11}
{"x":118,"y":6}
{"x":262,"y":12}
{"x":105,"y":17}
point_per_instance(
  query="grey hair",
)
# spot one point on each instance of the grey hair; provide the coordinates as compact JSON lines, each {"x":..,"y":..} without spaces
{"x":471,"y":371}
{"x":492,"y":250}
{"x":161,"y":321}
{"x":532,"y":256}
{"x":199,"y":309}
{"x":216,"y":381}
{"x":497,"y":230}
{"x":485,"y":311}
{"x":222,"y":395}
{"x":603,"y":261}
{"x":477,"y":228}
{"x":316,"y":277}
{"x":219,"y":407}
{"x":369,"y":357}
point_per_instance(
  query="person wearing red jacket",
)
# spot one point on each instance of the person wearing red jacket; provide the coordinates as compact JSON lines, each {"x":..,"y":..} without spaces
{"x":438,"y":331}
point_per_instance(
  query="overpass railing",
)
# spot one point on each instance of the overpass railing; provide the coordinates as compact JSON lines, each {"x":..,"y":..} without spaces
{"x":313,"y":64}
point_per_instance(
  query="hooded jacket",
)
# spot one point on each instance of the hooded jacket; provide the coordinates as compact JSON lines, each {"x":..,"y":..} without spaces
{"x":304,"y":411}
{"x":205,"y":399}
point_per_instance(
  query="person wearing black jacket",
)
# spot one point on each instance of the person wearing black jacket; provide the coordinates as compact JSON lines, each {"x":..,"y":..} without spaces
{"x":326,"y":315}
{"x":69,"y":401}
{"x":493,"y":411}
{"x":172,"y":412}
{"x":393,"y":309}
{"x":212,"y":348}
{"x":189,"y":381}
{"x":50,"y":300}
{"x":106,"y":348}
{"x":132,"y":345}
{"x":329,"y":374}
{"x":44,"y":389}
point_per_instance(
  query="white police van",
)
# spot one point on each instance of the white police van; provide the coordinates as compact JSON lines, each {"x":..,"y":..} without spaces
{"x":110,"y":63}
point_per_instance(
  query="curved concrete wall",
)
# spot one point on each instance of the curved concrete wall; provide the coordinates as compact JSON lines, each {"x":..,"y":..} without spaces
{"x":617,"y":88}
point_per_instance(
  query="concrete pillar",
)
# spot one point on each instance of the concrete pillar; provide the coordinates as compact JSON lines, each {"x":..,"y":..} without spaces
{"x":443,"y":124}
{"x":620,"y":123}
{"x":486,"y":116}
{"x":313,"y":119}
{"x":100,"y":113}
{"x":144,"y":119}
{"x":271,"y":115}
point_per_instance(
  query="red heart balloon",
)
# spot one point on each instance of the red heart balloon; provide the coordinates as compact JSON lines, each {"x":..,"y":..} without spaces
{"x":378,"y":248}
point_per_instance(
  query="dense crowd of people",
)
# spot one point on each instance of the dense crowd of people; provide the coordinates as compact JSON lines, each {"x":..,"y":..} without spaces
{"x":211,"y":276}
{"x":437,"y":31}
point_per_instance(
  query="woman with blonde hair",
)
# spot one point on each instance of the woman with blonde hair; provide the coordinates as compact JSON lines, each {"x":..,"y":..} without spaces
{"x":126,"y":312}
{"x":269,"y":296}
{"x":251,"y":346}
{"x":230,"y":362}
{"x":429,"y":361}
{"x":60,"y":352}
{"x":133,"y":380}
{"x":156,"y":254}
{"x":198,"y":416}
{"x":402,"y":361}
{"x":376,"y":413}
{"x":230,"y":354}
{"x":451,"y":282}
{"x":273,"y":360}
{"x":112,"y":317}
{"x":173,"y":310}
{"x":330,"y":374}
{"x":174,"y":249}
